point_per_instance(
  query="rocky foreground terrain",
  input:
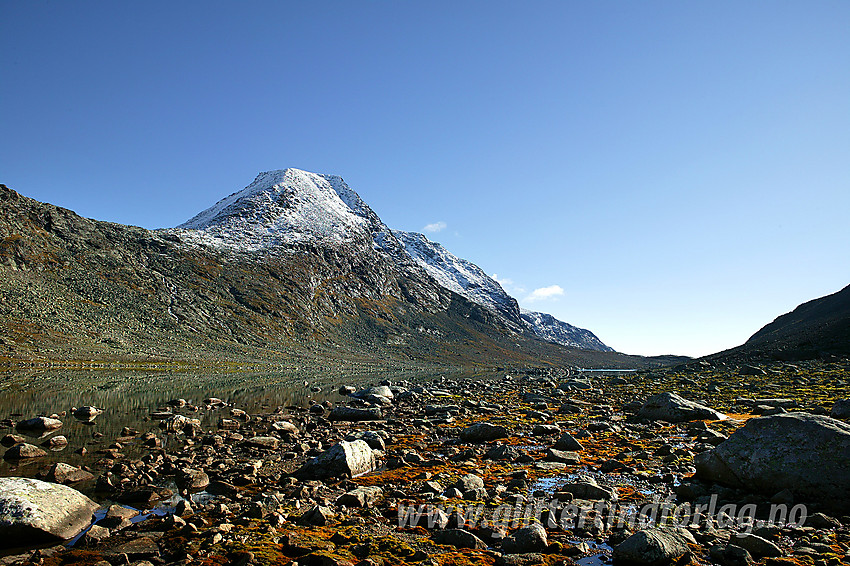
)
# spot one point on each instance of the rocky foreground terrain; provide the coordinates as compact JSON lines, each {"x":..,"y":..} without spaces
{"x":459,"y":471}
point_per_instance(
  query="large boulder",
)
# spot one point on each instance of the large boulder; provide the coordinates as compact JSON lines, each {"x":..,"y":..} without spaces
{"x":528,"y":539}
{"x":654,"y":547}
{"x":675,"y":409}
{"x":804,"y":453}
{"x":342,"y":459}
{"x":36,"y":512}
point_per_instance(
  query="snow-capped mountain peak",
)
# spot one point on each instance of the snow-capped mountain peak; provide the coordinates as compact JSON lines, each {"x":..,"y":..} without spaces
{"x":284,"y":206}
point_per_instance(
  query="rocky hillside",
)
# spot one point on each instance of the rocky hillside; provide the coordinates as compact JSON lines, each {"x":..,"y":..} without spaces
{"x":549,"y":328}
{"x":470,"y":281}
{"x":461,"y":276}
{"x":817,"y":328}
{"x":252,"y":278}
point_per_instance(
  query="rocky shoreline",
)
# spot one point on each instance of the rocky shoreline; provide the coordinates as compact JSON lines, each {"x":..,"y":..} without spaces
{"x":509,"y":469}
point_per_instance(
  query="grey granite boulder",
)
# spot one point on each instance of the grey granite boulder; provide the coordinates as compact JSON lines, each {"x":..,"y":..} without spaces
{"x":675,"y":409}
{"x":804,"y":453}
{"x":340,"y":460}
{"x":35,"y":512}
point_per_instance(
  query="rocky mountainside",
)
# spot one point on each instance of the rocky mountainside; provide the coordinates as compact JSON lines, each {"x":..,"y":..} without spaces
{"x":816,"y":328}
{"x":461,"y":276}
{"x":294,"y":269}
{"x":468,"y":280}
{"x":549,"y":328}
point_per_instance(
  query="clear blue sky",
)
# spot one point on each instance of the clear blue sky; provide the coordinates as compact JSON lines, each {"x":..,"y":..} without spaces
{"x":679,"y":170}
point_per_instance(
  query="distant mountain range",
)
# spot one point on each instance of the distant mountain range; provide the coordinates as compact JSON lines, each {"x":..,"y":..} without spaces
{"x":295,"y":266}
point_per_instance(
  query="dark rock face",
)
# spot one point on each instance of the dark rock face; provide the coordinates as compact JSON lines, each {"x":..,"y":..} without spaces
{"x":674,"y":409}
{"x":801,"y":452}
{"x":33,"y":512}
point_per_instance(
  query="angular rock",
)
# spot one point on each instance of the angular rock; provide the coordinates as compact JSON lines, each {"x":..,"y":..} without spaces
{"x":468,"y":482}
{"x":36,"y":512}
{"x":365,"y":496}
{"x":654,"y":547}
{"x":483,"y":432}
{"x":567,"y":442}
{"x":674,"y":409}
{"x":11,"y":439}
{"x":459,"y":538}
{"x":284,"y":427}
{"x":192,"y":480}
{"x":502,"y":452}
{"x":38,"y":425}
{"x":23,"y":451}
{"x":65,"y":473}
{"x":266,"y":442}
{"x":86,"y":413}
{"x":589,"y":490}
{"x":377,"y":390}
{"x":342,"y":459}
{"x":316,"y":515}
{"x":370,"y":437}
{"x":527,"y":539}
{"x":801,"y":452}
{"x":55,"y":443}
{"x":178,"y":423}
{"x":545,"y":430}
{"x":563,"y":456}
{"x":355,"y":414}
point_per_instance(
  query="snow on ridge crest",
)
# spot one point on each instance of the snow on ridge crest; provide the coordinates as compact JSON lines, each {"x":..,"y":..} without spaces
{"x":283,"y":206}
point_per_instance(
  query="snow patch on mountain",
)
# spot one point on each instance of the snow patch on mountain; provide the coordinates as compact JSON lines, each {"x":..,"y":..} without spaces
{"x":549,"y":328}
{"x":283,"y":207}
{"x":459,"y":275}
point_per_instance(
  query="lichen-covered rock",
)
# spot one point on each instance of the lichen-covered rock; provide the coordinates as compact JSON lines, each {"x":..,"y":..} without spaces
{"x":35,"y":512}
{"x":675,"y":409}
{"x":805,"y":453}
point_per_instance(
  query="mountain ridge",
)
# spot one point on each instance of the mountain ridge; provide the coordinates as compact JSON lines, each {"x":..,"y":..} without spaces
{"x":77,"y":289}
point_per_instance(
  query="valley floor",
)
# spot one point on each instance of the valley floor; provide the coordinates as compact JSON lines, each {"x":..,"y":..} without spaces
{"x":550,"y":437}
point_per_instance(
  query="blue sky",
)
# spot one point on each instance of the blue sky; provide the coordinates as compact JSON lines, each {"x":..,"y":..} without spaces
{"x":671,"y":175}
